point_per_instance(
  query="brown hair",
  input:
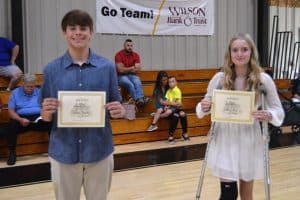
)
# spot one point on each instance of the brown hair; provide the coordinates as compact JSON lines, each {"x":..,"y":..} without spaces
{"x":76,"y":17}
{"x":253,"y":71}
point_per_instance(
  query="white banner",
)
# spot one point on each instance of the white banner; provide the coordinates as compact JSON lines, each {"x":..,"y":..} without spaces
{"x":155,"y":17}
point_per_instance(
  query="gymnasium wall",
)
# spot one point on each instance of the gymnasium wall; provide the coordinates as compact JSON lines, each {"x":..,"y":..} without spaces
{"x":5,"y":19}
{"x":44,"y":41}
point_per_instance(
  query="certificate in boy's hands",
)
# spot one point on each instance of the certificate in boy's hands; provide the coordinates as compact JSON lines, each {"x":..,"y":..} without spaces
{"x":232,"y":106}
{"x":81,"y":109}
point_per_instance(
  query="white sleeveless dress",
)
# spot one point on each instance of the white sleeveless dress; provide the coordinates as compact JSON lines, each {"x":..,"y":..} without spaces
{"x":236,"y":150}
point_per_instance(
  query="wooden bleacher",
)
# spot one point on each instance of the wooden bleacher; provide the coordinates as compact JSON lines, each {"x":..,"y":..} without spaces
{"x":283,"y":85}
{"x":284,"y":88}
{"x":193,"y":84}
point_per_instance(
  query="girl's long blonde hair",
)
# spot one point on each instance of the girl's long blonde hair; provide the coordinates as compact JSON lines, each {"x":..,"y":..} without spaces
{"x":253,"y":71}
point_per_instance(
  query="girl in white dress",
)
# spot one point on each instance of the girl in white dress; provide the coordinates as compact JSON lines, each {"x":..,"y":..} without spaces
{"x":236,"y":151}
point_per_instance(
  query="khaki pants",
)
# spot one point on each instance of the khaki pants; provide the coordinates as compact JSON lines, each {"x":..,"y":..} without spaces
{"x":13,"y":72}
{"x":94,"y":177}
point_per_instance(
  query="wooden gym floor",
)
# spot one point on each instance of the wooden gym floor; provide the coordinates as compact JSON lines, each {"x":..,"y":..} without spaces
{"x":179,"y":181}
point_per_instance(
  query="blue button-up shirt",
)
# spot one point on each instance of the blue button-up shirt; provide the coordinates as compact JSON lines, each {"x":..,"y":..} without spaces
{"x":80,"y":145}
{"x":24,"y":104}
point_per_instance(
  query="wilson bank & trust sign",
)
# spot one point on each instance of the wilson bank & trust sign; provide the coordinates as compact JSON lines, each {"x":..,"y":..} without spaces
{"x":155,"y":17}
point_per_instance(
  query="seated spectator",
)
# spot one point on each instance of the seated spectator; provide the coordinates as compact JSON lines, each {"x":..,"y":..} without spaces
{"x":161,"y":103}
{"x":128,"y":65}
{"x":174,"y":97}
{"x":296,"y":90}
{"x":24,"y":112}
{"x":8,"y":54}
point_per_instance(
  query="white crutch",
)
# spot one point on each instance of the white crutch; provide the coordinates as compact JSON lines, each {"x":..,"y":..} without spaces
{"x":210,"y":138}
{"x":266,"y":139}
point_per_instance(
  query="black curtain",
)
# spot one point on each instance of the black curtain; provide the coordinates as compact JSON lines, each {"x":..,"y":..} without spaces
{"x":263,"y":31}
{"x":17,"y":29}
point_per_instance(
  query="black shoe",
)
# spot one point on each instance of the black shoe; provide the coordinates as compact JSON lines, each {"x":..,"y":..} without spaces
{"x":139,"y":102}
{"x":12,"y":158}
{"x":171,"y":139}
{"x":297,"y":137}
{"x":185,"y":137}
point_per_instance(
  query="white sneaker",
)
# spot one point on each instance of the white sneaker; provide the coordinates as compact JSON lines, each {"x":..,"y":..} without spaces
{"x":152,"y":127}
{"x":152,"y":114}
{"x":171,"y":139}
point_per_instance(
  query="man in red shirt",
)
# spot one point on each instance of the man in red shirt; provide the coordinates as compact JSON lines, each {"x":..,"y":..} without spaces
{"x":128,"y":64}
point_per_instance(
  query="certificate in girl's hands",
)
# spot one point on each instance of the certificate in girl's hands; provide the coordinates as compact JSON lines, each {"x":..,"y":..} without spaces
{"x":81,"y":109}
{"x":232,"y":106}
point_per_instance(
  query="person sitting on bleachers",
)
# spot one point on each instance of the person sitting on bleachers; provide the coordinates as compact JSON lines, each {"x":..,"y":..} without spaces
{"x":8,"y":54}
{"x":160,"y":89}
{"x":296,"y":90}
{"x":24,"y":112}
{"x":128,"y":65}
{"x":174,"y":97}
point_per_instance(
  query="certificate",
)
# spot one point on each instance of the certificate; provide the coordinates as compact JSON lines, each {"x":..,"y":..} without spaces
{"x":232,"y":106}
{"x":81,"y":109}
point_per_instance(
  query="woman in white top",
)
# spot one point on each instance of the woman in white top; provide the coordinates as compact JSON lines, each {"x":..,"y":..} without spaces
{"x":236,"y":151}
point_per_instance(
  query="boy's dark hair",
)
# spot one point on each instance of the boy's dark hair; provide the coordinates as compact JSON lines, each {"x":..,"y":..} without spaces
{"x":76,"y":17}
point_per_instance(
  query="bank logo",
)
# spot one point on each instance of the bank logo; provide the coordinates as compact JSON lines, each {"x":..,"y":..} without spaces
{"x":187,"y":16}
